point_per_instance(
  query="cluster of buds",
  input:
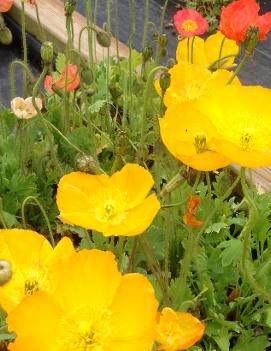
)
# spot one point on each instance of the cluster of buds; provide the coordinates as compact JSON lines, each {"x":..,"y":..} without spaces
{"x":69,"y":7}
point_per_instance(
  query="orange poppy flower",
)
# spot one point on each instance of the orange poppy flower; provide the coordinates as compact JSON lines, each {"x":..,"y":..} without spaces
{"x":178,"y":330}
{"x":5,"y":5}
{"x":189,"y":217}
{"x":73,"y":80}
{"x":240,"y":16}
{"x":189,"y":23}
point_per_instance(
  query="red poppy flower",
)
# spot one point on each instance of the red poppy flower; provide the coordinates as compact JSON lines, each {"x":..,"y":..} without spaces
{"x":73,"y":80}
{"x":190,"y":23}
{"x":5,"y":5}
{"x":241,"y":15}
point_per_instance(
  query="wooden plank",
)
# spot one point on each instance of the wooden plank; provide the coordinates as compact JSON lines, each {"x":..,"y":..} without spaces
{"x":53,"y":21}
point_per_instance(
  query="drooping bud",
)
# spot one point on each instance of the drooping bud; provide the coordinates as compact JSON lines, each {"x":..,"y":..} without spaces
{"x":104,"y":39}
{"x":147,"y":54}
{"x":163,"y":52}
{"x":86,"y":163}
{"x":47,"y":52}
{"x":164,"y":81}
{"x":69,"y":7}
{"x":251,"y":40}
{"x":5,"y":272}
{"x":5,"y":36}
{"x":87,"y":75}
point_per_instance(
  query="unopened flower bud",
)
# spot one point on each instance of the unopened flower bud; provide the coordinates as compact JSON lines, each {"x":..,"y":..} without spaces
{"x":90,"y":92}
{"x":147,"y":54}
{"x":163,"y":40}
{"x":5,"y":272}
{"x":47,"y":52}
{"x":251,"y":40}
{"x":104,"y":39}
{"x":164,"y":81}
{"x":86,"y":163}
{"x":69,"y":7}
{"x":87,"y":75}
{"x":5,"y":36}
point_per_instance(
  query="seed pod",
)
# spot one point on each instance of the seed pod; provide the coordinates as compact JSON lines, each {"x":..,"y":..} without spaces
{"x":5,"y":36}
{"x":47,"y":52}
{"x":85,"y":163}
{"x":104,"y":39}
{"x":69,"y":7}
{"x":251,"y":40}
{"x":163,"y":40}
{"x":5,"y":272}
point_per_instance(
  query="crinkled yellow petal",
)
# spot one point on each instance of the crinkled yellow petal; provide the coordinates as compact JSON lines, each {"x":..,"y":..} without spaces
{"x":199,"y":56}
{"x":242,"y":118}
{"x":35,"y":322}
{"x":218,"y":46}
{"x":181,"y":127}
{"x":88,"y":278}
{"x":140,"y":344}
{"x":133,"y":309}
{"x":136,"y":220}
{"x":76,"y":190}
{"x":133,"y":180}
{"x":27,"y":251}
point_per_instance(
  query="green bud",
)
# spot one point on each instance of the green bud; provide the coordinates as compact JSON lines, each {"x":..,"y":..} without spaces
{"x":5,"y":36}
{"x":86,"y":163}
{"x":87,"y":75}
{"x":104,"y":39}
{"x":251,"y":40}
{"x":147,"y":54}
{"x":171,"y":63}
{"x":69,"y":7}
{"x":90,"y":92}
{"x":163,"y":40}
{"x":5,"y":272}
{"x":47,"y":52}
{"x":115,"y":91}
{"x":164,"y":81}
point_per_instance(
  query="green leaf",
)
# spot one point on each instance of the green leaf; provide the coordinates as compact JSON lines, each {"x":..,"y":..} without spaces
{"x":232,"y":253}
{"x":97,"y":106}
{"x":216,"y":227}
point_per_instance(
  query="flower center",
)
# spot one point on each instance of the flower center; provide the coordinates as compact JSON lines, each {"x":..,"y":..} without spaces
{"x":30,"y":286}
{"x":200,"y":143}
{"x":246,"y":141}
{"x":84,"y":330}
{"x":189,"y":25}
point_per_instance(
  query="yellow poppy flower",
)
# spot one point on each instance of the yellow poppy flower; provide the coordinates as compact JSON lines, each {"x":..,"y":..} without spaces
{"x":207,"y":52}
{"x":116,"y":205}
{"x":93,"y":307}
{"x":242,"y":118}
{"x":191,"y":81}
{"x":189,"y":136}
{"x":32,"y":258}
{"x":178,"y":330}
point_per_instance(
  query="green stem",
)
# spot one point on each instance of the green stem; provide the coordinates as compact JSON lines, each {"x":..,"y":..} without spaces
{"x":132,"y":255}
{"x":239,"y":67}
{"x":192,"y":49}
{"x":42,"y":33}
{"x":149,"y":86}
{"x":146,"y":25}
{"x":245,"y":235}
{"x":25,"y":54}
{"x":12,"y":74}
{"x":90,"y":34}
{"x":162,"y":19}
{"x":209,"y":186}
{"x":26,"y":200}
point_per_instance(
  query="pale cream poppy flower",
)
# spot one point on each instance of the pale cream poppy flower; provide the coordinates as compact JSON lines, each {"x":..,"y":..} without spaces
{"x":23,"y":108}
